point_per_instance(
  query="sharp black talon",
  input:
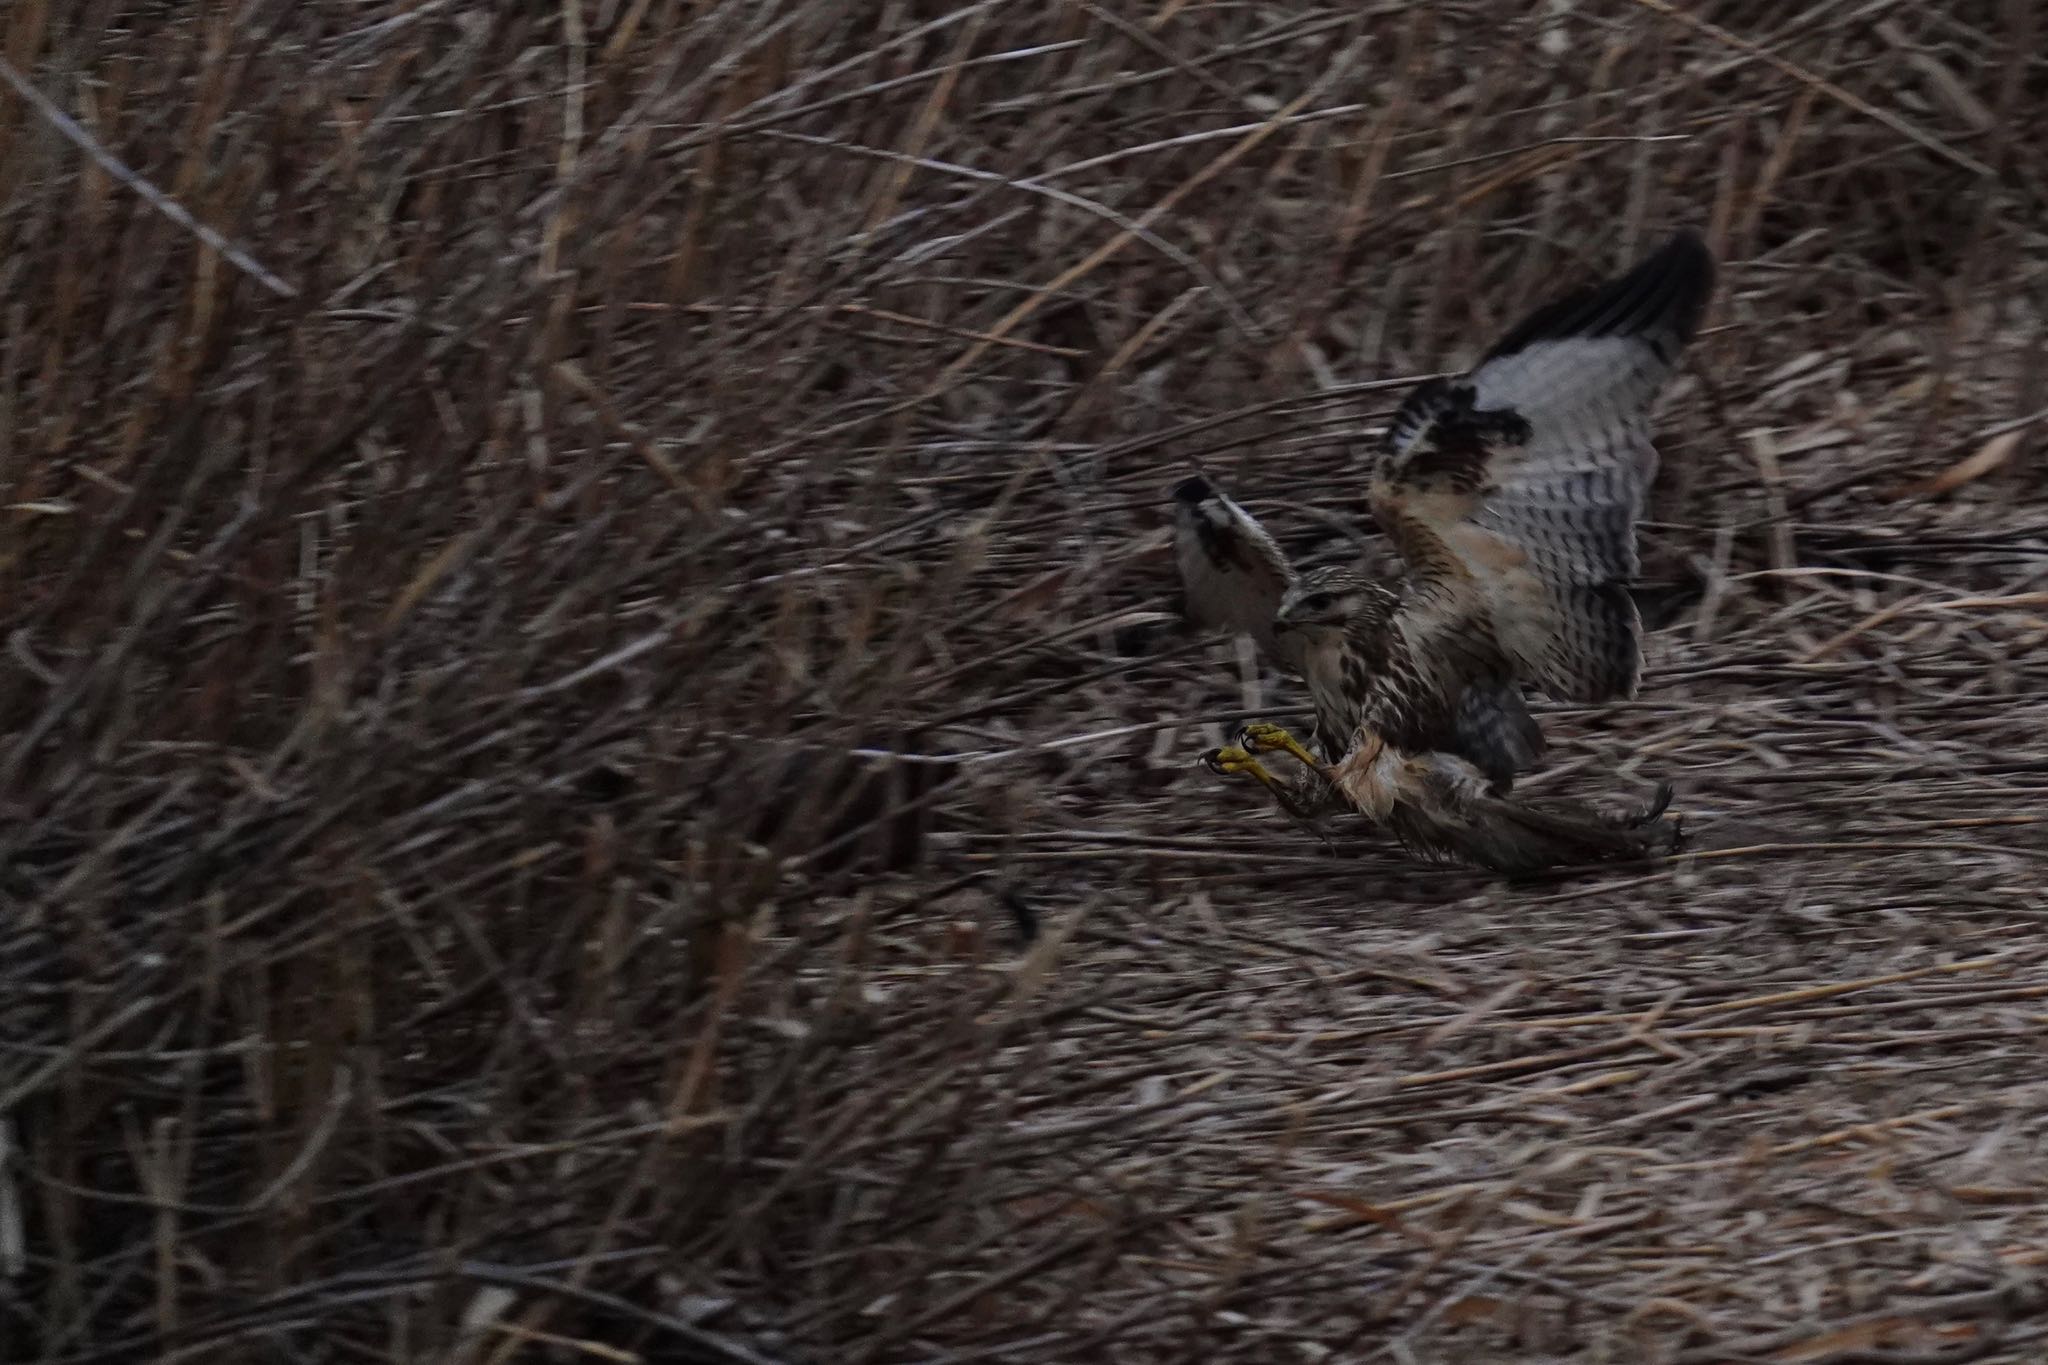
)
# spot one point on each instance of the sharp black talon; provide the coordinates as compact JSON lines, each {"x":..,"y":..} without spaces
{"x":1021,"y":914}
{"x":1658,"y":805}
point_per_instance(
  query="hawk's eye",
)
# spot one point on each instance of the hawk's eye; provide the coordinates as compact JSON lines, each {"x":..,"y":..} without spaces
{"x":1316,"y":601}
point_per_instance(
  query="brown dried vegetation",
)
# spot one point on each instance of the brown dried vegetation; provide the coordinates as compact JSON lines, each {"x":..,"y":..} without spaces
{"x":407,"y":617}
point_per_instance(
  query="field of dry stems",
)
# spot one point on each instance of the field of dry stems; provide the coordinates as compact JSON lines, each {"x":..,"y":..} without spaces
{"x":470,"y":473}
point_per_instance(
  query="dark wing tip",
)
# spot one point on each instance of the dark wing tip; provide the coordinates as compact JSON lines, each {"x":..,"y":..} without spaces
{"x":1663,"y":295}
{"x":1193,"y":489}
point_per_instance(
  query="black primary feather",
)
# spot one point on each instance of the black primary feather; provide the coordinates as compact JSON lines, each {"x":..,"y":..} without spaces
{"x":1665,"y":295}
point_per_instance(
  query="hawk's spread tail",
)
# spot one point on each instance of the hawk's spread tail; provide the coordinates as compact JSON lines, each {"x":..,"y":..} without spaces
{"x":1439,"y":807}
{"x":1502,"y":834}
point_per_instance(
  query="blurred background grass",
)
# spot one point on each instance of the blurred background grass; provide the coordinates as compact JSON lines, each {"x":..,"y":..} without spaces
{"x":436,"y":635}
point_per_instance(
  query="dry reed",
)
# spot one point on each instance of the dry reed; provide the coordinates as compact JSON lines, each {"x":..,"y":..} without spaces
{"x":410,"y":611}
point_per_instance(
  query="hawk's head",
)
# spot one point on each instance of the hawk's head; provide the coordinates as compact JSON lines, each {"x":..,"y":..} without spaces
{"x":1324,"y":599}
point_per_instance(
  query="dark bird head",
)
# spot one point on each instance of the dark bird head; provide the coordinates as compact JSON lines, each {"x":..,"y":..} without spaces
{"x":1201,"y":511}
{"x":1324,"y":598}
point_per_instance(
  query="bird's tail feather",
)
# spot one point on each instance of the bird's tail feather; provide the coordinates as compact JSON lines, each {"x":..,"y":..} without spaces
{"x":1510,"y":836}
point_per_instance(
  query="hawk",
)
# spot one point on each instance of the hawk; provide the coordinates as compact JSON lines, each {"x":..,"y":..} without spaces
{"x":1511,"y":494}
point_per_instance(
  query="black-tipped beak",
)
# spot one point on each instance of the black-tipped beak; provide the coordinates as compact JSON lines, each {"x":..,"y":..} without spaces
{"x":1193,"y":490}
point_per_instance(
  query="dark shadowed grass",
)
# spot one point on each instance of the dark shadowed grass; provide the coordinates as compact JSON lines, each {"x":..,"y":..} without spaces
{"x":460,"y":901}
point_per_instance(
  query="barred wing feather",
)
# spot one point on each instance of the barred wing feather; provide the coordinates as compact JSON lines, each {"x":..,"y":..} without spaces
{"x":1514,"y":493}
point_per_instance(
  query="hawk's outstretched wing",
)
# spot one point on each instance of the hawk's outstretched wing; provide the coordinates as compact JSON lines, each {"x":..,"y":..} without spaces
{"x":1513,"y":492}
{"x":1232,"y":572}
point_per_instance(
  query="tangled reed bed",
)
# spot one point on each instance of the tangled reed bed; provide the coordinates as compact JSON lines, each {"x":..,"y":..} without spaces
{"x":435,"y":631}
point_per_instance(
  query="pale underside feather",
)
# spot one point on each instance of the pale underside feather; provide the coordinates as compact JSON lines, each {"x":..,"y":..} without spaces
{"x":1233,"y":574}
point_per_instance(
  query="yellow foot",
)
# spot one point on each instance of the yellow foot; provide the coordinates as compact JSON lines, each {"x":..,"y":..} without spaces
{"x":1232,"y":761}
{"x":1264,"y":737}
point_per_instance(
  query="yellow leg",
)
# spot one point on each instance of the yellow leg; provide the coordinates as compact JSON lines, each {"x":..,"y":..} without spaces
{"x":1264,"y":737}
